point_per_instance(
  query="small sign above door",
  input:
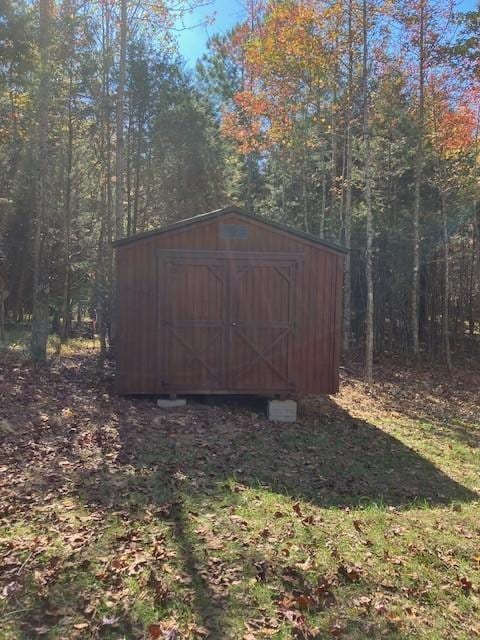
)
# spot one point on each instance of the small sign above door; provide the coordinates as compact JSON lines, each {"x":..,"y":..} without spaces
{"x":233,"y":232}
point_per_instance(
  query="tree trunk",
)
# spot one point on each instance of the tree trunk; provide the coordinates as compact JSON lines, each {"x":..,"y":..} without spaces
{"x":305,"y":192}
{"x":102,"y":295}
{"x":3,"y":297}
{"x":120,"y":144}
{"x":418,"y":182}
{"x":368,"y":203}
{"x":105,"y":250}
{"x":323,"y":205}
{"x":446,"y":290}
{"x":347,"y":286}
{"x":119,"y":164}
{"x":128,"y":174}
{"x":136,"y":197}
{"x":67,"y":222}
{"x":38,"y":347}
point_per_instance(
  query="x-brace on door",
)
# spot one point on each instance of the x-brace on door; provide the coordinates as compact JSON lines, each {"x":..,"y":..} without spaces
{"x":227,"y":321}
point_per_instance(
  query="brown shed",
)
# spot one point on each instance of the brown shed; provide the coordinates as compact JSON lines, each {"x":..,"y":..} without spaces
{"x":228,"y":302}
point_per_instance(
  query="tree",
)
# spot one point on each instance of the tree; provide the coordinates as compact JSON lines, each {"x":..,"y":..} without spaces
{"x":452,"y":132}
{"x":40,"y":255}
{"x":418,"y":182}
{"x":120,"y":106}
{"x":287,"y":111}
{"x":368,"y":194}
{"x":425,"y":24}
{"x":347,"y":285}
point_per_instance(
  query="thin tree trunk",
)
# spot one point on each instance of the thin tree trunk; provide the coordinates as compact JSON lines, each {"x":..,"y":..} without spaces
{"x":249,"y":182}
{"x":323,"y":205}
{"x":119,"y":166}
{"x":368,"y":203}
{"x":38,"y":348}
{"x":446,"y":283}
{"x":102,"y":295}
{"x":105,"y":250}
{"x":305,"y":192}
{"x":476,"y":234}
{"x":67,"y":221}
{"x":120,"y":143}
{"x":418,"y":182}
{"x":333,"y":160}
{"x":128,"y":173}
{"x":3,"y":297}
{"x":136,"y":196}
{"x":347,"y":285}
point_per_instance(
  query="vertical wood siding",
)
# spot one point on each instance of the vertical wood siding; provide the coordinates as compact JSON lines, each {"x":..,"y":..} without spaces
{"x":313,"y":354}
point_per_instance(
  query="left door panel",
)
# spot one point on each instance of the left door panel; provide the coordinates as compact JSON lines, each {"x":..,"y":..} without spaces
{"x":191,"y":323}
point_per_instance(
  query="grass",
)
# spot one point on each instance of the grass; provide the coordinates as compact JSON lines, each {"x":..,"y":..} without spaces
{"x":120,"y":521}
{"x":17,"y":340}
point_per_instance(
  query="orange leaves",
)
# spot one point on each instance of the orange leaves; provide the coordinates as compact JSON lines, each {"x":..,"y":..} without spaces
{"x":247,"y":135}
{"x":453,"y":120}
{"x":456,"y":131}
{"x":246,"y":124}
{"x":252,"y":105}
{"x":165,"y":630}
{"x":286,"y":61}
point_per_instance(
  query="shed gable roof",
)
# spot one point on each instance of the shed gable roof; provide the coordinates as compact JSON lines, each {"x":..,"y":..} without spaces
{"x":237,"y":211}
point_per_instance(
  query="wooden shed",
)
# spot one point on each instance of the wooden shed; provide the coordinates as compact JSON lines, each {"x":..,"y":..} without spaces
{"x":228,"y":303}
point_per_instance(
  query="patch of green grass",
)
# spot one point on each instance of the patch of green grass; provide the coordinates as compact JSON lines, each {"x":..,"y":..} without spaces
{"x":212,"y":520}
{"x":17,"y":340}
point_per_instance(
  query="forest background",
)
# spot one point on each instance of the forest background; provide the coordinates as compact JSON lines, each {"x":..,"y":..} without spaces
{"x":356,"y":121}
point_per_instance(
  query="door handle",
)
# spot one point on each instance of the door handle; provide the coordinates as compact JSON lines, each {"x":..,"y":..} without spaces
{"x":234,"y":324}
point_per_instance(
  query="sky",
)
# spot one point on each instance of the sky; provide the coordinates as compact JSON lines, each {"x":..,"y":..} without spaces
{"x":222,"y":15}
{"x":194,"y":33}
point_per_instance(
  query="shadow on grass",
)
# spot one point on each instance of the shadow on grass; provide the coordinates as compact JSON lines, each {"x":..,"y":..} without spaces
{"x":463,"y":432}
{"x":332,"y":461}
{"x":441,"y":400}
{"x":329,"y":458}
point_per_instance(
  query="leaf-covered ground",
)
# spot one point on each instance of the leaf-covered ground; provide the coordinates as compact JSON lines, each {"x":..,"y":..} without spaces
{"x":118,"y":520}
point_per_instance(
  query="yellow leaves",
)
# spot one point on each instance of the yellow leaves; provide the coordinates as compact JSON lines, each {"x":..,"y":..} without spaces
{"x":287,"y":62}
{"x":291,"y":38}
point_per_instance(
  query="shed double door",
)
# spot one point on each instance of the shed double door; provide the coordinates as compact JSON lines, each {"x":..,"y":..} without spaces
{"x":226,"y":322}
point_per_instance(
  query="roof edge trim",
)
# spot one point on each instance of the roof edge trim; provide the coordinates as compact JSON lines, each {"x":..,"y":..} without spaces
{"x":223,"y":211}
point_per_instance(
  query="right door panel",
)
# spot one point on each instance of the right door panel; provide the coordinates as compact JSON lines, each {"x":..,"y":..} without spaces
{"x":262,"y":325}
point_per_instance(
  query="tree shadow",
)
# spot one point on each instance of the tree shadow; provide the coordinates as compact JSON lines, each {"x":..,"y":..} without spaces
{"x":148,"y":459}
{"x":331,"y":460}
{"x":337,"y":460}
{"x":445,"y":402}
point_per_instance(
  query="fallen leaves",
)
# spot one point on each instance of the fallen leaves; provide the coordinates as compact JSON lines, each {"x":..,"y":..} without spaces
{"x":160,"y":588}
{"x":465,"y":584}
{"x":114,"y":511}
{"x":241,"y":522}
{"x":350,"y":572}
{"x":336,"y":629}
{"x":166,"y":630}
{"x":80,"y":626}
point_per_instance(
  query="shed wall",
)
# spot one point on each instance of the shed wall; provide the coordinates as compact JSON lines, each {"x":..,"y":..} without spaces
{"x":318,"y":301}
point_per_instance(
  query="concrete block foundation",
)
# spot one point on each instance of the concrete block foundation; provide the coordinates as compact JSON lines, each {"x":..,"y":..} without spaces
{"x":282,"y":410}
{"x":168,"y":403}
